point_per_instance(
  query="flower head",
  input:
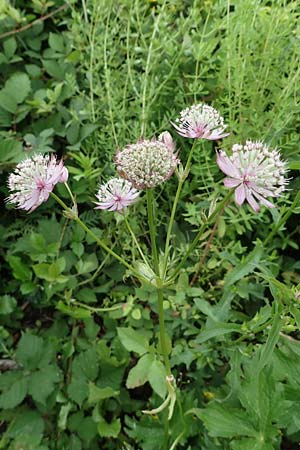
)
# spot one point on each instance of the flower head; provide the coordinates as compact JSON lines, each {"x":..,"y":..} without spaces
{"x":34,"y":179}
{"x":200,"y":122}
{"x":116,"y":195}
{"x":255,"y":171}
{"x":147,"y":163}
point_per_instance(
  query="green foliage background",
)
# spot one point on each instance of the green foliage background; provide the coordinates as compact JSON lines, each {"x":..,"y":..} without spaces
{"x":95,"y":76}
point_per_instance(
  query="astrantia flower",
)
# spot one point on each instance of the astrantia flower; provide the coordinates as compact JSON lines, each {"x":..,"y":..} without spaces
{"x":147,"y":163}
{"x":255,"y":171}
{"x":200,"y":122}
{"x":116,"y":195}
{"x":34,"y":179}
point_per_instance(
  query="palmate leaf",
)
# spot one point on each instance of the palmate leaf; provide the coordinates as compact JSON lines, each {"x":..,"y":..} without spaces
{"x":225,"y":422}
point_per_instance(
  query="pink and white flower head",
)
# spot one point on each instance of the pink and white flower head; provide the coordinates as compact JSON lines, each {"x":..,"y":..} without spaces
{"x":34,"y":179}
{"x":116,"y":195}
{"x":200,"y":121}
{"x":147,"y":163}
{"x":255,"y":171}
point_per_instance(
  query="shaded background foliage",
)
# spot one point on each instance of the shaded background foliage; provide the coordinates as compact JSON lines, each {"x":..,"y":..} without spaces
{"x":90,"y":78}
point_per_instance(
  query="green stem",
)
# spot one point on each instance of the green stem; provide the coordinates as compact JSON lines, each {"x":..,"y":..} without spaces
{"x":200,"y":232}
{"x":283,"y":219}
{"x":162,"y":333}
{"x":135,"y":240}
{"x":94,"y":309}
{"x":152,"y":229}
{"x":70,"y":194}
{"x":174,"y":207}
{"x":99,"y":241}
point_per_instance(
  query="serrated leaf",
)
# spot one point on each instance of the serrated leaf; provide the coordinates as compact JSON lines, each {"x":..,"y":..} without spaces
{"x":30,"y":351}
{"x":15,"y":90}
{"x":28,"y":427}
{"x":42,"y":383}
{"x":20,"y":270}
{"x":225,"y":422}
{"x":109,"y":429}
{"x":7,"y":304}
{"x":78,"y":390}
{"x":133,"y":341}
{"x":97,"y":394}
{"x":89,"y":363}
{"x":14,"y":395}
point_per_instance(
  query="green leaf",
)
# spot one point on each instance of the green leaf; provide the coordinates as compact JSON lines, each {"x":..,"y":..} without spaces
{"x":89,"y":363}
{"x":88,"y":265}
{"x":28,"y":427}
{"x":219,"y":329}
{"x":133,"y":341}
{"x":30,"y":351}
{"x":20,"y":270}
{"x":15,"y":394}
{"x":109,"y":429}
{"x":56,"y":41}
{"x":16,"y":89}
{"x":225,"y":422}
{"x":42,"y":383}
{"x":268,"y":348}
{"x":157,"y":378}
{"x":138,"y":375}
{"x":294,"y":165}
{"x":78,"y":390}
{"x":7,"y":304}
{"x":10,"y":47}
{"x":11,"y":151}
{"x":51,"y":272}
{"x":243,"y":268}
{"x":97,"y":394}
{"x":86,"y":295}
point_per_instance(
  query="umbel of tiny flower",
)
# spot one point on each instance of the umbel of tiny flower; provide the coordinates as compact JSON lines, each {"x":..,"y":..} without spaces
{"x":255,"y":171}
{"x":34,"y":179}
{"x":200,"y":121}
{"x":116,"y":195}
{"x":147,"y":163}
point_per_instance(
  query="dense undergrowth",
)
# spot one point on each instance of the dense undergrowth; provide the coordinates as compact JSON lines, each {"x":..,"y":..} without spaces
{"x":90,"y":78}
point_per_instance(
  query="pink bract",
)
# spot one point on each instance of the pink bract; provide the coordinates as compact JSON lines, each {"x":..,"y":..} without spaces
{"x":34,"y":179}
{"x":200,"y":121}
{"x":255,"y":172}
{"x":116,"y":195}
